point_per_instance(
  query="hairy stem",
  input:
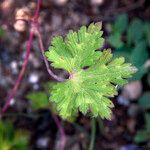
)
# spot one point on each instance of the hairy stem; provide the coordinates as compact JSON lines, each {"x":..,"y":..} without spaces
{"x":93,"y":124}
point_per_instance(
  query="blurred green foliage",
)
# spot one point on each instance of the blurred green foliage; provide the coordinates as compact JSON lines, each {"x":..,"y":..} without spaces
{"x":144,"y":101}
{"x":2,"y":32}
{"x":131,"y":40}
{"x":143,"y":135}
{"x":40,"y":99}
{"x":10,"y":139}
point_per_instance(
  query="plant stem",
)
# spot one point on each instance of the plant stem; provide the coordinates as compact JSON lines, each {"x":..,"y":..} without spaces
{"x":101,"y":126}
{"x":28,"y":49}
{"x":62,"y":133}
{"x":45,"y":60}
{"x":19,"y":79}
{"x":34,"y":29}
{"x":93,"y":124}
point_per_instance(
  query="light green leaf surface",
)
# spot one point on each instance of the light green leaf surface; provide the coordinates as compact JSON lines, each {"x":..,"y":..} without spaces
{"x":77,"y":50}
{"x":87,"y":90}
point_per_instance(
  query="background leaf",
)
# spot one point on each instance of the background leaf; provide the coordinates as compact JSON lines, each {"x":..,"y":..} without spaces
{"x":121,"y":23}
{"x":115,"y":40}
{"x":138,"y":51}
{"x":2,"y":32}
{"x":147,"y":32}
{"x":142,"y":136}
{"x":39,"y":100}
{"x":144,"y":101}
{"x":135,"y":32}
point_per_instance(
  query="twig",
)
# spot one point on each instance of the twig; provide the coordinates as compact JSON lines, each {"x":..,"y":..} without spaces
{"x":19,"y":79}
{"x":34,"y":29}
{"x":45,"y":60}
{"x":15,"y":88}
{"x":62,"y":133}
{"x":93,"y":123}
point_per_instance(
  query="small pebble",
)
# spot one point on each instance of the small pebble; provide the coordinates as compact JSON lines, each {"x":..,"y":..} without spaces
{"x":132,"y":90}
{"x":12,"y":102}
{"x":122,"y":100}
{"x":97,"y":2}
{"x":42,"y":142}
{"x":60,"y":2}
{"x":36,"y":87}
{"x":133,"y":110}
{"x":130,"y":147}
{"x":33,"y":78}
{"x":14,"y":67}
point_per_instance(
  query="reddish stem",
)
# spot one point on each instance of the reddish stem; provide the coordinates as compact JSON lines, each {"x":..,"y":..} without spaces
{"x":45,"y":60}
{"x":62,"y":133}
{"x":15,"y":88}
{"x":37,"y":12}
{"x":19,"y":79}
{"x":34,"y":28}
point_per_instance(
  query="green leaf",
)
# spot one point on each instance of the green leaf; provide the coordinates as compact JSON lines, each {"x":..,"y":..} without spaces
{"x":115,"y":40}
{"x":141,"y":72}
{"x":124,"y":52}
{"x":9,"y":138}
{"x":144,"y":101}
{"x":142,"y":136}
{"x":121,"y":23}
{"x":148,"y":78}
{"x":147,"y":32}
{"x":87,"y":90}
{"x":6,"y":131}
{"x":135,"y":32}
{"x":77,"y":50}
{"x":139,"y":54}
{"x":2,"y":32}
{"x":147,"y":118}
{"x":21,"y":140}
{"x":38,"y":99}
{"x":48,"y":86}
{"x":138,"y":57}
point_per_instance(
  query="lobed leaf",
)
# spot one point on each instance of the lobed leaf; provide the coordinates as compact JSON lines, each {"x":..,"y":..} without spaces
{"x":78,"y":50}
{"x":87,"y":90}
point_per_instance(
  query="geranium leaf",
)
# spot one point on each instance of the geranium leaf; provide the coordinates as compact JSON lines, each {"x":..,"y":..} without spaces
{"x":87,"y":90}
